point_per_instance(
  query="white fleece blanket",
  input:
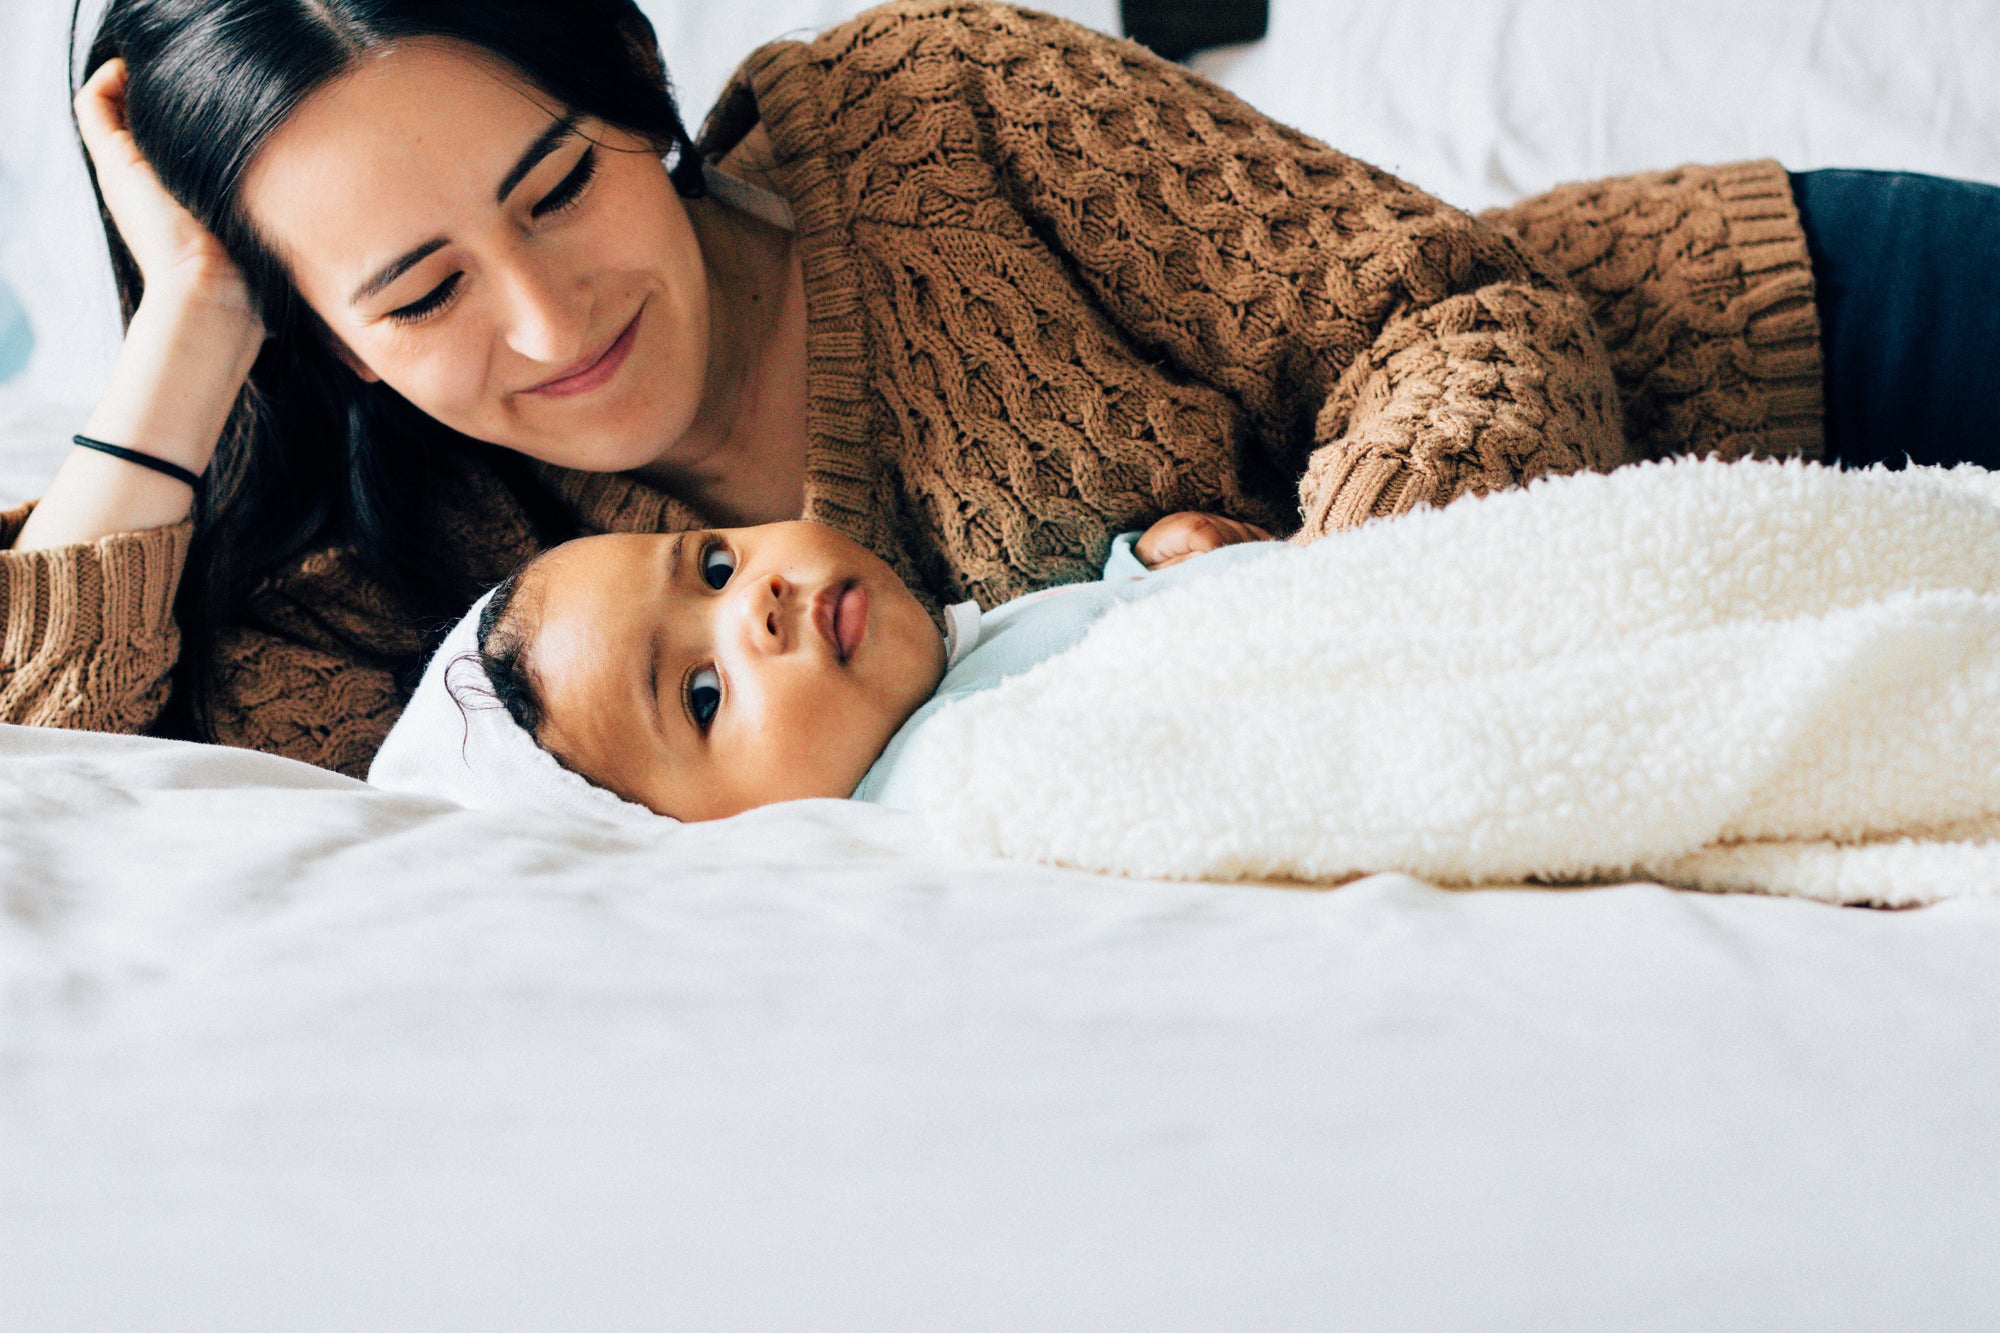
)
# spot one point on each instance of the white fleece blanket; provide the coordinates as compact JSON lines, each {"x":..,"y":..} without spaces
{"x":1772,"y":677}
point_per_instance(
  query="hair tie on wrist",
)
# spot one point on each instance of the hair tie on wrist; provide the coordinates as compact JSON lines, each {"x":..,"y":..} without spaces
{"x":192,"y":480}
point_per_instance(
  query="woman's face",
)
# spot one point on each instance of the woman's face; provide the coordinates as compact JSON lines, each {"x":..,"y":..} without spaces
{"x":526,"y":277}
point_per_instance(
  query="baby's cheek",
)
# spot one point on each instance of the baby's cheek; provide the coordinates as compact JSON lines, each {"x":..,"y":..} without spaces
{"x":807,"y":743}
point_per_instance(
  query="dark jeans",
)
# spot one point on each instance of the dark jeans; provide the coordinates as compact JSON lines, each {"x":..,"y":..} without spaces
{"x":1908,"y":275}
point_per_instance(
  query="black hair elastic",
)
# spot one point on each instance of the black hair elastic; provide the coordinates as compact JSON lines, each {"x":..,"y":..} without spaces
{"x":160,"y":465}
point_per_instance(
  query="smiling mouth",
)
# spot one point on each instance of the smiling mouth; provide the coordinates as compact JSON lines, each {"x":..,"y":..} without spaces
{"x":590,"y":374}
{"x":840,"y":613}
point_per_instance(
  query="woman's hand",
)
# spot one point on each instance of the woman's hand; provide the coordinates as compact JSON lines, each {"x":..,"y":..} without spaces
{"x":1178,"y":536}
{"x":177,"y":256}
{"x":188,"y":349}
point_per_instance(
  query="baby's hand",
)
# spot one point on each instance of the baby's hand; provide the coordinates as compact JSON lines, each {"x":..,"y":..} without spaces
{"x":1178,"y":536}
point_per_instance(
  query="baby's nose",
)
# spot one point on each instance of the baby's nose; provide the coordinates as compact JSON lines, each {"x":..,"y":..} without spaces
{"x":769,"y":612}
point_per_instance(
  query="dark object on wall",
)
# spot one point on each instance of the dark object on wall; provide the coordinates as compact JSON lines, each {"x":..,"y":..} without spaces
{"x":1178,"y":28}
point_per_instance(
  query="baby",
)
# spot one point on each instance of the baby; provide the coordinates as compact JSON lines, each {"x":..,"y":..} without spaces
{"x":701,"y":674}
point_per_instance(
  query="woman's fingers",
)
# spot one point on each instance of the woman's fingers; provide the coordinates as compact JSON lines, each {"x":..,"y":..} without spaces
{"x":164,"y":238}
{"x":103,"y":93}
{"x":138,"y":203}
{"x":100,"y":116}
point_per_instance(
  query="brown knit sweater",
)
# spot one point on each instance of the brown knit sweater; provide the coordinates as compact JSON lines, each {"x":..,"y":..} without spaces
{"x":1056,"y":288}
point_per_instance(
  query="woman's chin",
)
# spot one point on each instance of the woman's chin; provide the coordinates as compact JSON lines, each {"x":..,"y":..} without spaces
{"x":621,"y":456}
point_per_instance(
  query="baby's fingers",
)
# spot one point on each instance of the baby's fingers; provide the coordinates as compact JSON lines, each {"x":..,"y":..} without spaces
{"x":1235,"y":530}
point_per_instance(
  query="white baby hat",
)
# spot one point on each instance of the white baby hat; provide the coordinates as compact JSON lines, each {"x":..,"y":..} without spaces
{"x":456,"y":741}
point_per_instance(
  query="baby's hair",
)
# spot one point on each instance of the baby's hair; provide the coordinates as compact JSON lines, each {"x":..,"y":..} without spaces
{"x":503,"y":653}
{"x":501,"y":642}
{"x":500,"y":650}
{"x":500,"y":653}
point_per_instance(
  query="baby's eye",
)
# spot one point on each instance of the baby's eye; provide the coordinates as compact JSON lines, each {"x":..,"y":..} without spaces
{"x":717,"y":564}
{"x":704,"y":696}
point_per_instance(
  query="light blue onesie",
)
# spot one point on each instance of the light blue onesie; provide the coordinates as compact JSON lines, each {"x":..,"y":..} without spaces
{"x":984,"y":648}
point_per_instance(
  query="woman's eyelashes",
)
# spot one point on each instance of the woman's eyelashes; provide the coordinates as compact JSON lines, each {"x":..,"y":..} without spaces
{"x":572,"y":187}
{"x":703,"y":693}
{"x":428,"y":304}
{"x":558,"y":200}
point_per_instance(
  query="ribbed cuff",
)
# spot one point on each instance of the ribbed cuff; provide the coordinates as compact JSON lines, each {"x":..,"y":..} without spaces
{"x":1773,"y":291}
{"x":75,"y":600}
{"x":1340,"y":490}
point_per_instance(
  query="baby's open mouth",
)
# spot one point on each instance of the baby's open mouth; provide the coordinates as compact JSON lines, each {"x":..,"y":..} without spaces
{"x":840,"y":613}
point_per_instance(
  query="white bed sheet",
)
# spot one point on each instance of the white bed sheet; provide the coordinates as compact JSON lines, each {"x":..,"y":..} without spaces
{"x":278,"y":1051}
{"x":281,"y":1051}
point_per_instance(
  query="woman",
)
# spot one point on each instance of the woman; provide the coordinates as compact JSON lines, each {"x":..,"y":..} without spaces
{"x":415,"y":293}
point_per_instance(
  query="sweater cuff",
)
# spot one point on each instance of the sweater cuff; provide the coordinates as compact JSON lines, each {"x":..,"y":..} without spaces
{"x":68,"y":600}
{"x":1702,"y":289}
{"x":1772,"y":289}
{"x":1343,"y":488}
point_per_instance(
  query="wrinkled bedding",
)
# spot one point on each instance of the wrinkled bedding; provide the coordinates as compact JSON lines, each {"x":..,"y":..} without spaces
{"x":280,"y":1050}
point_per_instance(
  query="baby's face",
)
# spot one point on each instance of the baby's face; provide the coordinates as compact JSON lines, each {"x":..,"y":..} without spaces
{"x":704,"y":673}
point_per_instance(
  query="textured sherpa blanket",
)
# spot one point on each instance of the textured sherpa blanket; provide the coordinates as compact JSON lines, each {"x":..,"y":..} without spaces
{"x":1753,"y":676}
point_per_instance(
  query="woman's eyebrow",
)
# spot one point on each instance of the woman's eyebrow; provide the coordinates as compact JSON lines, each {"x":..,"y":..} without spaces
{"x":396,"y":268}
{"x":547,"y":142}
{"x":551,"y":139}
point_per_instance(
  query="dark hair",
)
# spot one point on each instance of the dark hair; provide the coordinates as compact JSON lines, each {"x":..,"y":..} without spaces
{"x":503,"y":654}
{"x":312,"y":454}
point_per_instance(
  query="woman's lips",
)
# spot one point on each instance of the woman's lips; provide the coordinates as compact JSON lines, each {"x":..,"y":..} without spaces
{"x":593,"y":373}
{"x":840,"y":613}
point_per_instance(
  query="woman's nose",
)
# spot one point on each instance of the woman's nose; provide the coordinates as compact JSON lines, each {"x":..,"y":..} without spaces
{"x":545,"y":324}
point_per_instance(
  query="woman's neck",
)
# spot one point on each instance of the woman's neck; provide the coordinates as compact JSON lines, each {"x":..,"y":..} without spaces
{"x":743,"y":461}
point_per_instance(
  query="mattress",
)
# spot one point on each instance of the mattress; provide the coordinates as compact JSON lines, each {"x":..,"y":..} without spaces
{"x":281,"y":1051}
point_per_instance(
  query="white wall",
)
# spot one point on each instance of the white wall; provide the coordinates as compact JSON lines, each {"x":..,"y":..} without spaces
{"x":1483,"y":101}
{"x":704,"y":39}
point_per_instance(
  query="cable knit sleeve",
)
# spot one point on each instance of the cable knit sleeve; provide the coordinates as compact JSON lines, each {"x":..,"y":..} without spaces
{"x":310,"y":667}
{"x":1387,"y":349}
{"x":89,"y":640}
{"x":315,"y":703}
{"x":90,"y":643}
{"x":311,"y":671}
